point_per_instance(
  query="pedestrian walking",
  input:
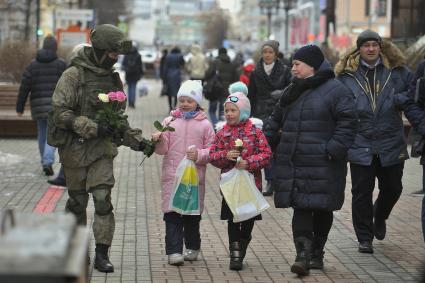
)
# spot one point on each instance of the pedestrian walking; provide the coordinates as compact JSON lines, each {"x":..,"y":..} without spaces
{"x":88,"y":145}
{"x":192,"y":129}
{"x":267,"y":81}
{"x":39,"y":82}
{"x":375,"y":72}
{"x":247,"y":69}
{"x":255,"y":155}
{"x":162,"y":72}
{"x":133,"y":68}
{"x":172,"y":74}
{"x":317,"y":118}
{"x":223,"y":71}
{"x":197,"y":65}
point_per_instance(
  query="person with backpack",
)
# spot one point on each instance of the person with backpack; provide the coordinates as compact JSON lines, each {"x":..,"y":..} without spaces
{"x":133,"y":68}
{"x":266,"y":84}
{"x":219,"y":76}
{"x":38,"y":82}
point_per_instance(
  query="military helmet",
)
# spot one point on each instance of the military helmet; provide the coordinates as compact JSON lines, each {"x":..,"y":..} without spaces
{"x":110,"y":38}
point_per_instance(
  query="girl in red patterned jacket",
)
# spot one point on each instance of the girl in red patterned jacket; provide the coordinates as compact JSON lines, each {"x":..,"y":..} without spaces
{"x":255,"y":155}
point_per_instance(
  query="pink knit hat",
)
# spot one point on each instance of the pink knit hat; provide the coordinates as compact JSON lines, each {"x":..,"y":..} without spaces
{"x":242,"y":102}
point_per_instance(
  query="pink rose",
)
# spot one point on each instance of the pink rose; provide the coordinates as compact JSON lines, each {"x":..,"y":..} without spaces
{"x":112,"y":96}
{"x":121,"y":96}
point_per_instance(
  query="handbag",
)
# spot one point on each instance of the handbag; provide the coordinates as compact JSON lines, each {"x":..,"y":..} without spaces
{"x":418,"y":143}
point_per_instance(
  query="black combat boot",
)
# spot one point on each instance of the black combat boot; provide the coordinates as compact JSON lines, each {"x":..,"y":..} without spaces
{"x":302,"y":261}
{"x":317,"y":253}
{"x":235,"y":256}
{"x":101,"y":261}
{"x":244,"y":246}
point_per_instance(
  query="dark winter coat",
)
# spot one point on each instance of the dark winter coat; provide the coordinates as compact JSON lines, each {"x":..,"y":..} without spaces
{"x":318,"y":121}
{"x":39,"y":82}
{"x":262,"y":85}
{"x":226,"y":70}
{"x":172,"y":70}
{"x":132,"y":66}
{"x":380,"y":125}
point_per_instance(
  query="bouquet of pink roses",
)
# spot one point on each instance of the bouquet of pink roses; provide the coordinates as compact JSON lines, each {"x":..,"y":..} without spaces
{"x":112,"y":112}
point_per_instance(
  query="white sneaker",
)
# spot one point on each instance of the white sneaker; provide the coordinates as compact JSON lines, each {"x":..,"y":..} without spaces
{"x":176,"y":259}
{"x":191,"y":255}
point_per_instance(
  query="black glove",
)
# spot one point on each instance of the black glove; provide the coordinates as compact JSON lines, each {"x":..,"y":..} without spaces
{"x":147,"y":146}
{"x":104,"y":131}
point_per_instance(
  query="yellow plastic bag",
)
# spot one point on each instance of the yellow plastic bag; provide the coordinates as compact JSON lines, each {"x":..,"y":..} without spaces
{"x":185,"y":195}
{"x":241,"y":195}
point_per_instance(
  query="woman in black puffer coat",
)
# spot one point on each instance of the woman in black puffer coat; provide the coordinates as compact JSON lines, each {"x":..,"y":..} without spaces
{"x":317,"y":117}
{"x":267,"y":81}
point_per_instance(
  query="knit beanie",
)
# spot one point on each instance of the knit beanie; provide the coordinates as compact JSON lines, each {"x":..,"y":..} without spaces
{"x":311,"y":55}
{"x":368,"y":35}
{"x":238,"y":87}
{"x":50,"y":43}
{"x":192,"y":89}
{"x":242,"y":102}
{"x":273,"y":44}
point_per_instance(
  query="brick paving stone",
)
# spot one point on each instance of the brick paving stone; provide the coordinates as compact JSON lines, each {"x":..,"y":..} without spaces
{"x":138,"y":247}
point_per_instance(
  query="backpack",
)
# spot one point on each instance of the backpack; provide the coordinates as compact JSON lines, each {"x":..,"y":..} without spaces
{"x":214,"y":88}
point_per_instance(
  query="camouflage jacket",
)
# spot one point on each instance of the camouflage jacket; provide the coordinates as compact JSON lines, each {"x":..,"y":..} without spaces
{"x":75,"y":103}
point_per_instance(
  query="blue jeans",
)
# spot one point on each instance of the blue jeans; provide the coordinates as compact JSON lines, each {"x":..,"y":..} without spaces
{"x":269,"y":171}
{"x":47,"y":152}
{"x":212,"y":110}
{"x":131,"y":93}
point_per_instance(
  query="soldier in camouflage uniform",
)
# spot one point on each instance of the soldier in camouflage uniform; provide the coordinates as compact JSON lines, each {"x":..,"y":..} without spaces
{"x":87,"y":148}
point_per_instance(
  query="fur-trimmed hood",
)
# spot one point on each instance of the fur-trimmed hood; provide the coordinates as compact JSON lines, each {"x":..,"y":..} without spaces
{"x":391,"y":57}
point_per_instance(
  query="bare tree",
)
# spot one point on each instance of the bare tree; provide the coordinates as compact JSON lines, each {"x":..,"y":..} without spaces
{"x":107,"y":12}
{"x":216,"y":27}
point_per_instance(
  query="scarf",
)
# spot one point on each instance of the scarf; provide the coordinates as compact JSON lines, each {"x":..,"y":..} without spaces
{"x":184,"y":115}
{"x":268,"y":68}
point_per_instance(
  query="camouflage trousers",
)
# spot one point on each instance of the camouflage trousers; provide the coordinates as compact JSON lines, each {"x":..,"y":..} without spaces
{"x":97,"y":179}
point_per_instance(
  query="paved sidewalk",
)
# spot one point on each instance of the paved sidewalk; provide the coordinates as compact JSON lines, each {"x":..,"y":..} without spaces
{"x":138,"y":247}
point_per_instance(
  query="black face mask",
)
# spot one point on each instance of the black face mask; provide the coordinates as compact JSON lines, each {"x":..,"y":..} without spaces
{"x":107,"y":63}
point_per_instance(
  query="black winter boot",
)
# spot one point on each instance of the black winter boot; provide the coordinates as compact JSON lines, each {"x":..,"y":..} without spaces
{"x":244,"y":246}
{"x":316,"y":261}
{"x":101,"y":261}
{"x":235,"y":256}
{"x":269,"y":189}
{"x":302,"y":261}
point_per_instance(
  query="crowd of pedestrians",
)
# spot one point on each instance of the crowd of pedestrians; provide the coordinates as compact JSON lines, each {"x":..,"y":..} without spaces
{"x":314,"y":119}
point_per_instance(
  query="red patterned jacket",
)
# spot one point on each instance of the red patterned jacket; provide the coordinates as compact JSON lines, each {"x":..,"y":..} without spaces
{"x":256,"y":150}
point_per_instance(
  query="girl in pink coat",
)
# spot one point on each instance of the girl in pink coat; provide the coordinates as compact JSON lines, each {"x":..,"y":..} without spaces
{"x":191,"y":128}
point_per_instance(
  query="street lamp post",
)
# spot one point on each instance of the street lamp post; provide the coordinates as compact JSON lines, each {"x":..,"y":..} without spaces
{"x":286,"y":6}
{"x":267,"y":6}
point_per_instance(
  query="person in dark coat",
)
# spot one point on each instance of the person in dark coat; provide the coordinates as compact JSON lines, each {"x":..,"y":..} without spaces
{"x":38,"y":82}
{"x":266,"y":84}
{"x":133,"y":68}
{"x":375,"y":72}
{"x":172,"y":74}
{"x":317,"y":117}
{"x":228,"y":74}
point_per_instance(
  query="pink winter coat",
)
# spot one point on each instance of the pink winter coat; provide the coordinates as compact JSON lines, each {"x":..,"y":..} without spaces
{"x":197,"y":131}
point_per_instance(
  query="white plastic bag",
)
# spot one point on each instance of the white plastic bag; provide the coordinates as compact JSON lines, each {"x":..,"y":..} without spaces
{"x":185,"y":195}
{"x":142,"y":88}
{"x":241,"y":194}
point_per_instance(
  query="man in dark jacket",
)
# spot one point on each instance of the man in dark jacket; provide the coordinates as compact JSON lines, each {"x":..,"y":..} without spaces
{"x":376,"y":74}
{"x":133,"y":68}
{"x":227,"y":73}
{"x":39,"y":81}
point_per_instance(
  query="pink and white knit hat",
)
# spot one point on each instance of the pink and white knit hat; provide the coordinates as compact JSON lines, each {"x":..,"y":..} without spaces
{"x":243,"y":104}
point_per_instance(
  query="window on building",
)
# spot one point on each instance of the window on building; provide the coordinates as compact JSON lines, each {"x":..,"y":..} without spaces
{"x":382,"y":8}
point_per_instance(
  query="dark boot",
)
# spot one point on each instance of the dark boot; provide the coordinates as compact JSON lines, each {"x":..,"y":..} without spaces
{"x":302,"y":261}
{"x":317,"y":253}
{"x":244,"y":246}
{"x":235,"y":256}
{"x":101,"y":261}
{"x":269,"y":190}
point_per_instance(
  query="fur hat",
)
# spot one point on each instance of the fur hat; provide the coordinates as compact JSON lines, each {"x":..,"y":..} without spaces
{"x":242,"y":102}
{"x":368,"y":35}
{"x":238,"y":87}
{"x":273,"y":44}
{"x":311,"y":55}
{"x":192,"y":89}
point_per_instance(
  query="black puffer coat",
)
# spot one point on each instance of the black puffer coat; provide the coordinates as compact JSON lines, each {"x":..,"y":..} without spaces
{"x":262,"y":85}
{"x":227,"y":71}
{"x":132,"y":66}
{"x":318,"y":121}
{"x":39,"y":81}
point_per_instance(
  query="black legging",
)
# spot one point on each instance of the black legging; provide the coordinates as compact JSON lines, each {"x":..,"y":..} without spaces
{"x":309,"y":223}
{"x":239,"y":230}
{"x":172,"y":101}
